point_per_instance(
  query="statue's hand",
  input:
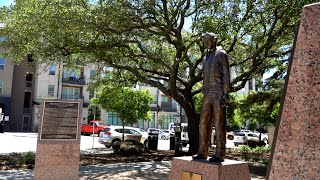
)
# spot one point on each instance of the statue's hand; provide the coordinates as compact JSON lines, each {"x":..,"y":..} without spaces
{"x":225,"y":100}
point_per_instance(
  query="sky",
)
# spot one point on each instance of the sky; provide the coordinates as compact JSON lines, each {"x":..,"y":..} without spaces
{"x":5,"y":2}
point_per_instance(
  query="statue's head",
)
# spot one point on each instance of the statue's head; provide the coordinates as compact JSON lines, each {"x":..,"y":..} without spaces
{"x":209,"y":40}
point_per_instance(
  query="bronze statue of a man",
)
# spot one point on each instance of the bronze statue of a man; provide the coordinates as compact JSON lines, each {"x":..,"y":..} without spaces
{"x":216,"y":83}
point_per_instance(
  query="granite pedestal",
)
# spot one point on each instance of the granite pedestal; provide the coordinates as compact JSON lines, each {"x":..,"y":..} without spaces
{"x":185,"y":168}
{"x":58,"y":145}
{"x":296,"y":148}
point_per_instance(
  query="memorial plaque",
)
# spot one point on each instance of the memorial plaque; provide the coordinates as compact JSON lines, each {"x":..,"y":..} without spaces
{"x":60,"y":120}
{"x":190,"y":176}
{"x":58,"y":146}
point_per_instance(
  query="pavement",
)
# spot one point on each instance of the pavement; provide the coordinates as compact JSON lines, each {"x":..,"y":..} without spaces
{"x":119,"y":171}
{"x":125,"y":171}
{"x":22,"y":142}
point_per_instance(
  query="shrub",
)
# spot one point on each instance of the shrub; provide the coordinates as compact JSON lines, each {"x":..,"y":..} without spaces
{"x":245,"y":152}
{"x":245,"y":149}
{"x":128,"y":148}
{"x":27,"y":158}
{"x":259,"y":150}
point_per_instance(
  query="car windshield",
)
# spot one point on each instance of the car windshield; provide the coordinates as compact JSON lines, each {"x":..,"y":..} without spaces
{"x":106,"y":129}
{"x":185,"y":128}
{"x":101,"y":124}
{"x":240,"y":134}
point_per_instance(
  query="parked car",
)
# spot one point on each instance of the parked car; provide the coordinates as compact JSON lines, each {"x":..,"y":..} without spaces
{"x":165,"y":134}
{"x":264,"y":136}
{"x":93,"y":127}
{"x":153,"y":131}
{"x":242,"y":130}
{"x":145,"y":135}
{"x":229,"y":135}
{"x":112,"y":134}
{"x":243,"y":138}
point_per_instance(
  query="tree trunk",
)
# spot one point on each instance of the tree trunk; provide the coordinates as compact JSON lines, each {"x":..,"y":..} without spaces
{"x":122,"y":130}
{"x":193,"y":132}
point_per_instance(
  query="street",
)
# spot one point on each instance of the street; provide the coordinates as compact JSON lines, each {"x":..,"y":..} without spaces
{"x":23,"y":142}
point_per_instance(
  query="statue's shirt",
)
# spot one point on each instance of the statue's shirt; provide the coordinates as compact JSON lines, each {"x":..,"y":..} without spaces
{"x":216,"y":75}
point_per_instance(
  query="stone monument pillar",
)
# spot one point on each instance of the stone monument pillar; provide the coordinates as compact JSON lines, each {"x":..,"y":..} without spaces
{"x":296,"y":147}
{"x":58,"y":146}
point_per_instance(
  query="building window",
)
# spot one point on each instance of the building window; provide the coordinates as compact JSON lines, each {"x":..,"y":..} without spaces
{"x":52,"y":69}
{"x":164,"y":98}
{"x":250,"y":85}
{"x":153,"y":121}
{"x":72,"y":74}
{"x":92,"y":72}
{"x":51,"y":90}
{"x":2,"y":63}
{"x":141,"y":124}
{"x":154,"y":100}
{"x":113,"y":119}
{"x":27,"y":100}
{"x":1,"y":86}
{"x":91,"y":94}
{"x":25,"y":123}
{"x":28,"y":80}
{"x":70,"y":93}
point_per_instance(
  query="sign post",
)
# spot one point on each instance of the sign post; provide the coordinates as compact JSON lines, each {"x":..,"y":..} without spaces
{"x":93,"y":124}
{"x":177,"y":130}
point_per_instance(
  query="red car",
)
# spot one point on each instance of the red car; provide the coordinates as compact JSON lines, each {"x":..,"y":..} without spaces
{"x":93,"y":127}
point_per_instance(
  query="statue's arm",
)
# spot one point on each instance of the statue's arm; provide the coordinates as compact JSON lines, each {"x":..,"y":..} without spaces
{"x":224,"y":64}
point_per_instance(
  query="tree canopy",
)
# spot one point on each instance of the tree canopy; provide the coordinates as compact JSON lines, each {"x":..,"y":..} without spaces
{"x":130,"y":105}
{"x":155,"y":42}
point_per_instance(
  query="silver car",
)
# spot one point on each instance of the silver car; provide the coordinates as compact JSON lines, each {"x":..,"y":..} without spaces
{"x":111,"y":134}
{"x":242,"y":138}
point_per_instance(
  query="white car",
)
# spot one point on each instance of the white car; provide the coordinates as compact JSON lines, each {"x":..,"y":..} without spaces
{"x":145,"y":135}
{"x":112,"y":134}
{"x":242,"y":138}
{"x":165,"y":134}
{"x":264,"y":136}
{"x":154,"y":131}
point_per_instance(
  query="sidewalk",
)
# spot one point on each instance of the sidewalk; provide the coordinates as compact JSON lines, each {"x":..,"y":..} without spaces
{"x":120,"y":171}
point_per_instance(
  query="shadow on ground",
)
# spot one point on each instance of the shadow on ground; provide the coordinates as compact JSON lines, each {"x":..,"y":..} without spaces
{"x":16,"y":174}
{"x":143,"y":170}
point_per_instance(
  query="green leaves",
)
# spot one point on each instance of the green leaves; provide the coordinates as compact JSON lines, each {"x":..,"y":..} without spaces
{"x":131,"y":105}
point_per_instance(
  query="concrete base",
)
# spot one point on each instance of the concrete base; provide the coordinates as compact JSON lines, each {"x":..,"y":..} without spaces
{"x":205,"y":170}
{"x":57,"y":161}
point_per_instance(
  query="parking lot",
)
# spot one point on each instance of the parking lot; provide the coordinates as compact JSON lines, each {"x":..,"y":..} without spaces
{"x":23,"y":142}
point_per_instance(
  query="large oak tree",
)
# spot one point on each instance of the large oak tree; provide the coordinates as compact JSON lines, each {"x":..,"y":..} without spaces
{"x":155,"y":41}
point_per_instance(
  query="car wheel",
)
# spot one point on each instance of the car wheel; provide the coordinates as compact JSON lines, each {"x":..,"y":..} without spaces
{"x":146,"y":143}
{"x":265,"y":140}
{"x":230,"y":137}
{"x":115,"y":140}
{"x":184,"y":144}
{"x":108,"y":146}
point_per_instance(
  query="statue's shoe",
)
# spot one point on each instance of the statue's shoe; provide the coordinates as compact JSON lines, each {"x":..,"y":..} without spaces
{"x":199,"y":156}
{"x":215,"y":159}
